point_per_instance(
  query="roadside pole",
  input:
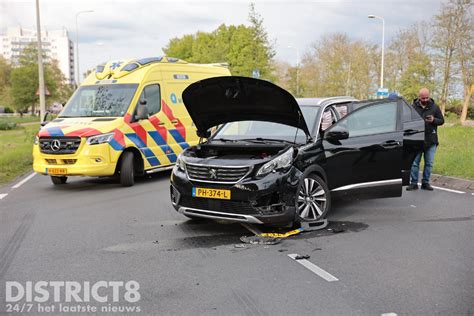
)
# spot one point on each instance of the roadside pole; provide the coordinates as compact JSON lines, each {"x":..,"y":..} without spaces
{"x":40,"y":65}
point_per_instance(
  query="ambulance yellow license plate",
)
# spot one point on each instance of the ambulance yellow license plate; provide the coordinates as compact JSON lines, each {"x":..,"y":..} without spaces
{"x":56,"y":171}
{"x":211,"y":193}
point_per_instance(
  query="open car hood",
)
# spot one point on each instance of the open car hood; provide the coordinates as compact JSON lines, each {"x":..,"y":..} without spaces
{"x":219,"y":100}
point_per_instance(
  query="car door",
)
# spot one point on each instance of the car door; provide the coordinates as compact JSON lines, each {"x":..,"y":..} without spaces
{"x":413,"y":138}
{"x":366,"y":164}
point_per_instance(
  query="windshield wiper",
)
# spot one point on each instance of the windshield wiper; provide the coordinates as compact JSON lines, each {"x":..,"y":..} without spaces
{"x":224,"y":140}
{"x":263,"y":140}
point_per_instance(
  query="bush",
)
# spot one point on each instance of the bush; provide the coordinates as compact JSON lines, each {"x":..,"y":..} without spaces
{"x":5,"y":125}
{"x":8,"y":110}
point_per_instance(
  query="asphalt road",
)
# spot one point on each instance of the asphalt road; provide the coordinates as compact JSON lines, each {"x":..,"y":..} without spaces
{"x":411,"y":255}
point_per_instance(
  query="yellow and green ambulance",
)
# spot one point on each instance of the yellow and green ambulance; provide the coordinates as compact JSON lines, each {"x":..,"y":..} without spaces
{"x":126,"y":119}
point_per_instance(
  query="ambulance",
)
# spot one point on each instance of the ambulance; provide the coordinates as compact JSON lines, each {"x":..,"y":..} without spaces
{"x":126,"y":119}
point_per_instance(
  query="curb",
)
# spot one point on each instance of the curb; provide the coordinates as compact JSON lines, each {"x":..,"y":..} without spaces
{"x":452,"y":183}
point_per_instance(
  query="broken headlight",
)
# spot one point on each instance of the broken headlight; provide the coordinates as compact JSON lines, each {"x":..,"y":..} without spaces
{"x":281,"y":162}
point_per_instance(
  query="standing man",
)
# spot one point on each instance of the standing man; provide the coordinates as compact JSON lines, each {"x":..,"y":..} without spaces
{"x":429,"y":111}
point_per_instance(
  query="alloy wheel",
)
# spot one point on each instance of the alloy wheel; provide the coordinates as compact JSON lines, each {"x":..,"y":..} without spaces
{"x":311,"y":200}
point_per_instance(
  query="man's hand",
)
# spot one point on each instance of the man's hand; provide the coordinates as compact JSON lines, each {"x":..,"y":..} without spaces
{"x":429,"y":119}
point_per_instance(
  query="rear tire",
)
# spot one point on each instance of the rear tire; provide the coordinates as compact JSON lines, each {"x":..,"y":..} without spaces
{"x":313,"y":200}
{"x":127,"y":172}
{"x":58,"y":180}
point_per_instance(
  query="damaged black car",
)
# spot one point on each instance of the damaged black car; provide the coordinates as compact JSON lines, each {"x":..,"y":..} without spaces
{"x":276,"y":160}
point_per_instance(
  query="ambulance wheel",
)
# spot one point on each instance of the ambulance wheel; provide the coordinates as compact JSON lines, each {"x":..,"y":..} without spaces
{"x":127,"y":174}
{"x":58,"y":180}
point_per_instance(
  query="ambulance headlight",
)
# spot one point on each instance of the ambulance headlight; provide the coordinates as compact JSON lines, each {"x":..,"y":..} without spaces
{"x":180,"y":163}
{"x":36,"y":140}
{"x":100,"y":139}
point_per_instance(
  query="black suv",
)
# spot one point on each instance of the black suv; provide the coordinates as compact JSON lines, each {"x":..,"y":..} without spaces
{"x":275,"y":160}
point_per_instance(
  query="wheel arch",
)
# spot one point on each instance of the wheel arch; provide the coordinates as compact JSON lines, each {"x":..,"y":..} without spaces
{"x":138,"y":163}
{"x":317,"y":170}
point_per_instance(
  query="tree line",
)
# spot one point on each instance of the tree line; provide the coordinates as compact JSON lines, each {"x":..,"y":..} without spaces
{"x":437,"y":54}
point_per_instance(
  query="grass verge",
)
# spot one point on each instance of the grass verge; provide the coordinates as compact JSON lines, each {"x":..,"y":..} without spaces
{"x":15,"y":152}
{"x":455,"y":154}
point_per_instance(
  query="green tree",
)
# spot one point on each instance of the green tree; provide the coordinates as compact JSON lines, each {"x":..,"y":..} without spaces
{"x":5,"y":82}
{"x":244,"y":48}
{"x":24,"y":81}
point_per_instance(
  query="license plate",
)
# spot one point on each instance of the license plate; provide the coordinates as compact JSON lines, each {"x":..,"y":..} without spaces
{"x":211,"y":193}
{"x":61,"y":171}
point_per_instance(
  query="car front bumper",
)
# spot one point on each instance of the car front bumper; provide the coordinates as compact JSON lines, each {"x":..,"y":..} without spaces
{"x":269,"y":200}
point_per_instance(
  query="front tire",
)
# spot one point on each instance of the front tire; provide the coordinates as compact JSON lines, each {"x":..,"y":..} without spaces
{"x":127,"y":172}
{"x":58,"y":180}
{"x":313,"y":201}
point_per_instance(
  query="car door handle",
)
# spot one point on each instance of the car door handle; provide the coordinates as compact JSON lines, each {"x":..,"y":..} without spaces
{"x":409,"y":132}
{"x":161,"y":123}
{"x":174,"y":122}
{"x":390,"y":144}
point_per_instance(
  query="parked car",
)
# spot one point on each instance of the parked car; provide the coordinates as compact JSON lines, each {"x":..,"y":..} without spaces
{"x":276,"y":160}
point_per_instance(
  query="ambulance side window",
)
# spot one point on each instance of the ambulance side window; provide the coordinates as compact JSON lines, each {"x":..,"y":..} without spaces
{"x":151,"y":94}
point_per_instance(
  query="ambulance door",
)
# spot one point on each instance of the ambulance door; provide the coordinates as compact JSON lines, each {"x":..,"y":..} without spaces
{"x":181,"y":132}
{"x":149,"y":128}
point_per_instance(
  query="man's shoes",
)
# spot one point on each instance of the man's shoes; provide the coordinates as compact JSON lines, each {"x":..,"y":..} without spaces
{"x":412,"y":187}
{"x":427,"y":186}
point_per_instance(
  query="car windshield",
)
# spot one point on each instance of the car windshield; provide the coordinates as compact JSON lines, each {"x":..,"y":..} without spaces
{"x":248,"y":130}
{"x":100,"y":100}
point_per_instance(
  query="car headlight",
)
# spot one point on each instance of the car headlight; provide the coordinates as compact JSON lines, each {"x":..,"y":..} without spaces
{"x":100,"y":139}
{"x":180,"y":163}
{"x":281,"y":162}
{"x":36,"y":140}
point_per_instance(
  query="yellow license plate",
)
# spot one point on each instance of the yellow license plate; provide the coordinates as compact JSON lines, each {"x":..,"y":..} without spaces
{"x":211,"y":193}
{"x":61,"y":171}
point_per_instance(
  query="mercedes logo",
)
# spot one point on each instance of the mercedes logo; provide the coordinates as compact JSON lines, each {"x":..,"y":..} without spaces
{"x":213,"y":173}
{"x":55,"y":144}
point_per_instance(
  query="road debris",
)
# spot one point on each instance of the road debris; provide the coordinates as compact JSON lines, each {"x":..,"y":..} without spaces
{"x":283,"y":235}
{"x":301,"y":257}
{"x":260,"y":240}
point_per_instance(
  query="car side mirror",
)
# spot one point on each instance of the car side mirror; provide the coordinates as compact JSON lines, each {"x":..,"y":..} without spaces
{"x":45,"y":119}
{"x":205,"y":134}
{"x":337,"y":134}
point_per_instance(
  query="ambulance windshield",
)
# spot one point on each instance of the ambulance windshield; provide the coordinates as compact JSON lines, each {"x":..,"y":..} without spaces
{"x":100,"y":100}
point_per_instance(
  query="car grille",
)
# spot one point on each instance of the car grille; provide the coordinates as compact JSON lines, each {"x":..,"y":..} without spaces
{"x":216,"y":174}
{"x":235,"y":207}
{"x":59,"y":145}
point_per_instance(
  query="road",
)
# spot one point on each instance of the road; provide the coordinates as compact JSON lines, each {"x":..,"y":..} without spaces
{"x":408,"y":255}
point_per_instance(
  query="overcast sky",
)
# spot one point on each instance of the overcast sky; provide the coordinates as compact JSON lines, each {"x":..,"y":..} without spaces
{"x":133,"y":29}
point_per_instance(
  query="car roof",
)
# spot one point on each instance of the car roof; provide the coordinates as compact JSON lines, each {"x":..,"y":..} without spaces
{"x":317,"y":102}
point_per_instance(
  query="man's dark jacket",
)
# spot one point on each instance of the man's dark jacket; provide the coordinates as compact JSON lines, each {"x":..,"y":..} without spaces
{"x":431,"y":129}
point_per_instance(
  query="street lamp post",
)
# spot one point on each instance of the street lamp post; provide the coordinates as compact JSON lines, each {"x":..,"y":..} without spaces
{"x":297,"y":68}
{"x":77,"y":46}
{"x":40,"y":65}
{"x":371,"y":16}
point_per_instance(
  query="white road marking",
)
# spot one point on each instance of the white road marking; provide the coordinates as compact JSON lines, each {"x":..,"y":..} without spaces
{"x":389,"y":314}
{"x":449,"y":190}
{"x":3,"y":195}
{"x":251,"y":229}
{"x":314,"y":268}
{"x":19,"y":184}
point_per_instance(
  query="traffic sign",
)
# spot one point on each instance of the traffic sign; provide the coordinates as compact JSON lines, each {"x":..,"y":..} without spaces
{"x":382,"y":93}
